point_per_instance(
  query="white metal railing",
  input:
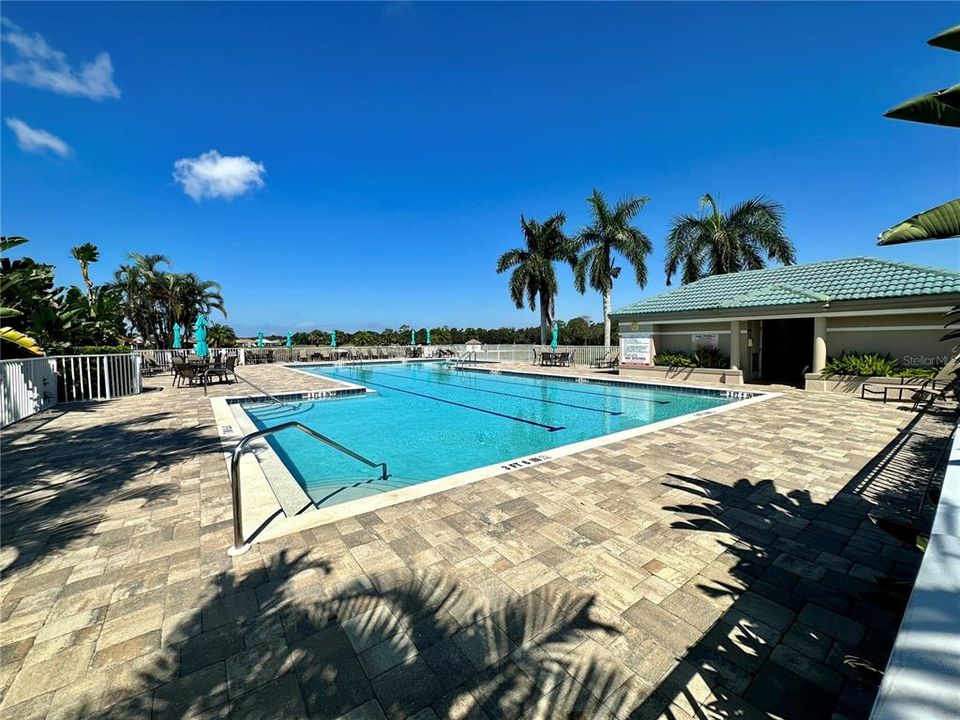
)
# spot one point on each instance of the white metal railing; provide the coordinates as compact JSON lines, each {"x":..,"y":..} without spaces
{"x":29,"y":386}
{"x":34,"y":384}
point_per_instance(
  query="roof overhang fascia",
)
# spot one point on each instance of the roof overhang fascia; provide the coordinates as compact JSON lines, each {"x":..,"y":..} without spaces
{"x":872,"y":306}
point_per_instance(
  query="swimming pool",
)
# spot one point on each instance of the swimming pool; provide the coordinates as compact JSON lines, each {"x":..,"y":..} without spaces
{"x":427,"y":420}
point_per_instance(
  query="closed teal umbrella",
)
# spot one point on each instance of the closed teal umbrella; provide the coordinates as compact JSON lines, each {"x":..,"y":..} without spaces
{"x":333,"y":339}
{"x":428,"y":336}
{"x":200,"y":334}
{"x":413,"y":337}
{"x":176,"y":336}
{"x":289,"y":341}
{"x":556,"y":331}
{"x":260,"y":339}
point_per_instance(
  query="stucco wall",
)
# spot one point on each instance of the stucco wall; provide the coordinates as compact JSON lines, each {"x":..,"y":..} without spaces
{"x":913,"y":339}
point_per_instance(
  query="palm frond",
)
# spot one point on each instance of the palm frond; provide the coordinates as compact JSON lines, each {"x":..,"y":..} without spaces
{"x":8,"y":242}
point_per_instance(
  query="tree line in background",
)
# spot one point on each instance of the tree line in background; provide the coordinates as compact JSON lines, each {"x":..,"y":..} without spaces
{"x":143,"y":301}
{"x":711,"y":242}
{"x":577,"y":331}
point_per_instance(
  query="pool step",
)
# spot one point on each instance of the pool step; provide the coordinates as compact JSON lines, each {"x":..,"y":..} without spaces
{"x":293,"y":500}
{"x":291,"y":497}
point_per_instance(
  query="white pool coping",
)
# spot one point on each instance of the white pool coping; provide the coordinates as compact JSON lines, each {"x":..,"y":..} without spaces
{"x":282,"y":525}
{"x":920,"y":678}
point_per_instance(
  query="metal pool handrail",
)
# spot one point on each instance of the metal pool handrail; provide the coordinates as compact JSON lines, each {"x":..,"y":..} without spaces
{"x":464,"y":357}
{"x":239,"y":546}
{"x":254,"y":386}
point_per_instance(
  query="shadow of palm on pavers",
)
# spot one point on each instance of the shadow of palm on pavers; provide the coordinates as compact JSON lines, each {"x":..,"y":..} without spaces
{"x":796,"y":590}
{"x":294,"y":640}
{"x":58,"y":484}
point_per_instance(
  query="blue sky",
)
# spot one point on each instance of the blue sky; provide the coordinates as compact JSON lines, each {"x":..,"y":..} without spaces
{"x":385,"y":152}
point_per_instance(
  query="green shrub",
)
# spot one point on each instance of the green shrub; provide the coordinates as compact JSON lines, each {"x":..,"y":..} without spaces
{"x":673,"y":358}
{"x":920,"y":373}
{"x":708,"y":357}
{"x":702,"y":357}
{"x":90,"y":350}
{"x":865,"y":364}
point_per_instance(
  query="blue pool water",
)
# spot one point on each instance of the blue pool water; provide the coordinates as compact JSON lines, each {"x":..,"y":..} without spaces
{"x":426,"y":420}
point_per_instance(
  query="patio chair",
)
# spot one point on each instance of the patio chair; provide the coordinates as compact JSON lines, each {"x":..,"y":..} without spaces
{"x":176,"y":363}
{"x":186,"y":372}
{"x":225,"y":370}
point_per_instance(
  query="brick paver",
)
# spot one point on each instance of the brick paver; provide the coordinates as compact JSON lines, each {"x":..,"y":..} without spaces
{"x":723,"y":567}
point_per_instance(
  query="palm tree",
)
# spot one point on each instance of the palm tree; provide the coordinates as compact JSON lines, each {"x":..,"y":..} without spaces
{"x":146,"y":296}
{"x":154,"y":299}
{"x":715,"y":243}
{"x":219,"y":336}
{"x":192,"y":297}
{"x":86,"y":254}
{"x":533,"y":275}
{"x":610,"y":232}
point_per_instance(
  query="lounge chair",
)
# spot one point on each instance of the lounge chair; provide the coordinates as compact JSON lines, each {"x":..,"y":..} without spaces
{"x":946,"y":374}
{"x":611,"y":359}
{"x":151,"y":367}
{"x":929,"y":395}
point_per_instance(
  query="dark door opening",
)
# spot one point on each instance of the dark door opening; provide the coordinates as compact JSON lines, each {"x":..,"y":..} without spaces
{"x":787,"y":350}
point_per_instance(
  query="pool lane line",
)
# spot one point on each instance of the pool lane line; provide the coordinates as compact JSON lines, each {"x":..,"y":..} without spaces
{"x":505,"y":394}
{"x":483,"y":376}
{"x":548,"y":428}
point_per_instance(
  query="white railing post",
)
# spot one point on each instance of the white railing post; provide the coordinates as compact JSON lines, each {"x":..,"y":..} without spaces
{"x":137,"y":376}
{"x":106,"y":374}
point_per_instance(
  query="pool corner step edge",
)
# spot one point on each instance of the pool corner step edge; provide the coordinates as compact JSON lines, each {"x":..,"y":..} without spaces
{"x":292,"y":498}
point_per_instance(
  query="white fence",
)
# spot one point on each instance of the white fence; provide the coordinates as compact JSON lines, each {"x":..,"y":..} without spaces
{"x":583,"y":355}
{"x":31,"y":385}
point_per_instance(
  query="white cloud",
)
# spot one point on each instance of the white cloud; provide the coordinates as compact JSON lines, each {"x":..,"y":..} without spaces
{"x":212,"y":175}
{"x":33,"y":140}
{"x":39,"y":65}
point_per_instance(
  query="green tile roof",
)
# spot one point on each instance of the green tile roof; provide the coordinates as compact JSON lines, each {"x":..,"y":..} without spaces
{"x":859,"y":278}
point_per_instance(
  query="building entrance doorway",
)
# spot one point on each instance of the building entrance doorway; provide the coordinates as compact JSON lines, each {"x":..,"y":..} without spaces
{"x":786,"y":350}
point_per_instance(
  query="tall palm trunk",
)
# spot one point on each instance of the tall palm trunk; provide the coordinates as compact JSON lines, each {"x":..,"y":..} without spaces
{"x":606,"y":318}
{"x":546,"y":319}
{"x":85,"y":273}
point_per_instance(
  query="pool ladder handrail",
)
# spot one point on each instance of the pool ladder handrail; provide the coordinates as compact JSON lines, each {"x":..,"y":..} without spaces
{"x":257,"y":388}
{"x":239,"y":546}
{"x":464,"y":356}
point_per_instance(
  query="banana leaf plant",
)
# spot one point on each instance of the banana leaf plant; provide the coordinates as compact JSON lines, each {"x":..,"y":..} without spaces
{"x":23,"y":342}
{"x":936,"y":223}
{"x":937,"y":108}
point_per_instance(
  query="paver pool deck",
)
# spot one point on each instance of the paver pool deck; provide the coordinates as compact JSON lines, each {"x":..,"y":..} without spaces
{"x":719,"y":568}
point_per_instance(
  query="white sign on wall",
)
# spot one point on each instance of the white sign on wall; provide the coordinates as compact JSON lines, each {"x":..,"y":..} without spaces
{"x":706,"y":340}
{"x":636,"y":349}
